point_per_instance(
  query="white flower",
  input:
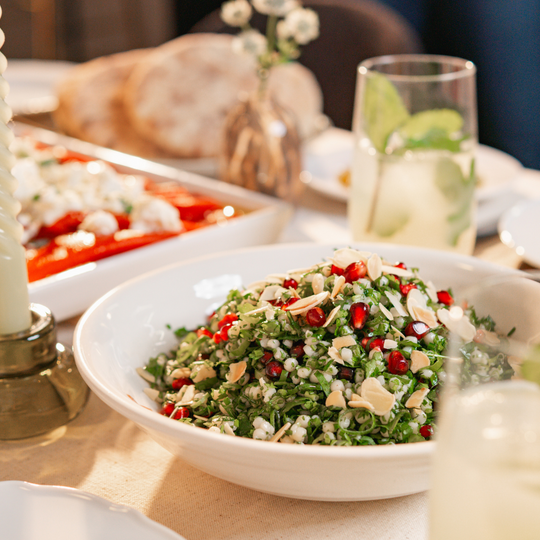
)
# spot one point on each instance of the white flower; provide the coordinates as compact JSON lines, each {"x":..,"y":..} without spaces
{"x":250,"y":42}
{"x":236,"y":12}
{"x":275,"y":7}
{"x":301,"y":24}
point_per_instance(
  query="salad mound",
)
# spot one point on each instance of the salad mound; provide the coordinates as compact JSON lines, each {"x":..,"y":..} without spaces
{"x":347,"y":352}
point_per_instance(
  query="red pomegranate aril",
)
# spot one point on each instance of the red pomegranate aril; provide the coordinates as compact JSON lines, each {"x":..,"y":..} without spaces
{"x":224,"y":332}
{"x":289,"y":302}
{"x":290,"y":284}
{"x":377,"y":343}
{"x":217,"y":338}
{"x":426,"y":431}
{"x":178,"y":383}
{"x":267,"y":356}
{"x":297,"y":349}
{"x":167,"y":409}
{"x":204,"y":332}
{"x":405,"y":288}
{"x":359,"y":314}
{"x":182,"y":412}
{"x":445,"y":298}
{"x":228,"y":319}
{"x":417,"y":329}
{"x":336,"y":270}
{"x":400,"y":265}
{"x":397,"y":363}
{"x":355,"y":271}
{"x":346,"y":373}
{"x":274,"y":369}
{"x":315,"y":317}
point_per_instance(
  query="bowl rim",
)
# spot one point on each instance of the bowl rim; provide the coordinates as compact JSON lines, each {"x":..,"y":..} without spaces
{"x":148,"y":418}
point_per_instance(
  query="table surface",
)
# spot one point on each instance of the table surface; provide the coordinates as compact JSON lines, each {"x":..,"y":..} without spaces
{"x":103,"y":453}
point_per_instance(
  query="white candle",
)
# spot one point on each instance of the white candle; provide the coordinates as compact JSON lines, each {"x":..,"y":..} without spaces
{"x":14,"y":303}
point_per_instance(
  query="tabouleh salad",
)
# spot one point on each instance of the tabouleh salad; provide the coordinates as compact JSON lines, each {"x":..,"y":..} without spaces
{"x":346,"y":352}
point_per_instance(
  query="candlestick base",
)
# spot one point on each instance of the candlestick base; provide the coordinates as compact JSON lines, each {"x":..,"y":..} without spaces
{"x":40,"y":386}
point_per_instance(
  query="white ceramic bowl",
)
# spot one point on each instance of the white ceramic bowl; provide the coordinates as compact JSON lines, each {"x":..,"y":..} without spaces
{"x":127,"y":326}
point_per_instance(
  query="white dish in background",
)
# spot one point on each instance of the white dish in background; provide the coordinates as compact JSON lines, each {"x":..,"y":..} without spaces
{"x":519,"y":228}
{"x":129,"y":325}
{"x":69,"y":293}
{"x":331,"y":153}
{"x":32,"y":84}
{"x":36,"y":512}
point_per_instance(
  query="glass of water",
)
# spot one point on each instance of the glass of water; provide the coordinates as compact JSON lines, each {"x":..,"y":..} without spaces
{"x":486,"y":469}
{"x":413,"y":175}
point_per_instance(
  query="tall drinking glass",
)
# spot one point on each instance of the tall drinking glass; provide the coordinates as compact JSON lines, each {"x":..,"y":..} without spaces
{"x":486,"y":471}
{"x":413,"y":175}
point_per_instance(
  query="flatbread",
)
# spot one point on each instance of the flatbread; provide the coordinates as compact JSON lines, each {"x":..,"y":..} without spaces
{"x":91,"y":104}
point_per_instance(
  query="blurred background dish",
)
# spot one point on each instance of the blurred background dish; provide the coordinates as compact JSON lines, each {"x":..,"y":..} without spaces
{"x":36,"y":512}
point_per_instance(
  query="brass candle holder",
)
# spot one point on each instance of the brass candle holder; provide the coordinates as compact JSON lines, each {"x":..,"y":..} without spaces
{"x":40,"y":386}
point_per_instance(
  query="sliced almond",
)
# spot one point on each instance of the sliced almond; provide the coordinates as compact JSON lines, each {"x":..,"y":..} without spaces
{"x":223,"y":410}
{"x":386,"y":312}
{"x":203,"y":373}
{"x":415,"y":298}
{"x":395,"y":300}
{"x":236,"y":371}
{"x":181,"y":373}
{"x":389,"y":344}
{"x":396,"y":331}
{"x":331,"y":316}
{"x":145,"y":375}
{"x":485,"y":336}
{"x":305,"y":304}
{"x":417,"y":398}
{"x":343,"y":341}
{"x":431,"y":292}
{"x":374,"y":392}
{"x":396,"y":271}
{"x":260,"y":309}
{"x":358,"y":402}
{"x":281,"y":431}
{"x":336,"y":399}
{"x":457,"y":322}
{"x":186,"y":394}
{"x":345,"y":256}
{"x":419,"y":360}
{"x":333,"y":353}
{"x":152,"y":393}
{"x":317,"y":283}
{"x":272,"y":292}
{"x":228,"y":429}
{"x":374,"y":267}
{"x":425,"y":315}
{"x":338,"y":283}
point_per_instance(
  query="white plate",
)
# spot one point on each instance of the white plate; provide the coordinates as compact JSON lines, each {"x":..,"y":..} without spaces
{"x":35,"y":512}
{"x":129,"y":325}
{"x":71,"y":292}
{"x":519,"y":229}
{"x":32,"y":84}
{"x":330,"y":154}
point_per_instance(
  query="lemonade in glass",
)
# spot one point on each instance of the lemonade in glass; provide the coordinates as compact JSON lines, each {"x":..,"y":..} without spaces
{"x":413,"y":175}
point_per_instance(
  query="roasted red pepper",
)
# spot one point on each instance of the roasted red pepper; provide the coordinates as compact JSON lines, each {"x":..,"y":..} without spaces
{"x":71,"y":250}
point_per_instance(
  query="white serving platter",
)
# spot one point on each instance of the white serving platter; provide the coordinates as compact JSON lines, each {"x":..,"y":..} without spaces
{"x":69,"y":293}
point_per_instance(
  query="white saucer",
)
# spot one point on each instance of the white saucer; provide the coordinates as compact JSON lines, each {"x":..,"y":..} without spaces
{"x":35,"y":512}
{"x":519,"y":228}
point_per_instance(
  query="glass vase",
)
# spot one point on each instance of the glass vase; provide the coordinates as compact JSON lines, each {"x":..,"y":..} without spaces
{"x":261,"y":147}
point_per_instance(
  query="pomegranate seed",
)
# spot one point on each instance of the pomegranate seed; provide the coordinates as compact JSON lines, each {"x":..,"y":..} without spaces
{"x":315,"y":317}
{"x":290,"y":302}
{"x":182,"y":412}
{"x":377,"y":343}
{"x":359,"y":314}
{"x":290,"y":284}
{"x":400,"y":265}
{"x":167,"y":409}
{"x":406,"y":288}
{"x":178,"y":383}
{"x":445,"y":298}
{"x":228,"y":319}
{"x":267,"y":356}
{"x":418,"y":329}
{"x":336,"y":270}
{"x":274,"y":369}
{"x":217,"y":338}
{"x":204,"y":332}
{"x":365,"y":342}
{"x":397,"y":363}
{"x":355,"y":271}
{"x":346,"y":373}
{"x":224,"y":332}
{"x":426,"y":431}
{"x":298,"y":349}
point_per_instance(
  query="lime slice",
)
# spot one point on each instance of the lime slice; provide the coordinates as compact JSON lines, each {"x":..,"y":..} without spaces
{"x":384,"y":110}
{"x":419,"y":125}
